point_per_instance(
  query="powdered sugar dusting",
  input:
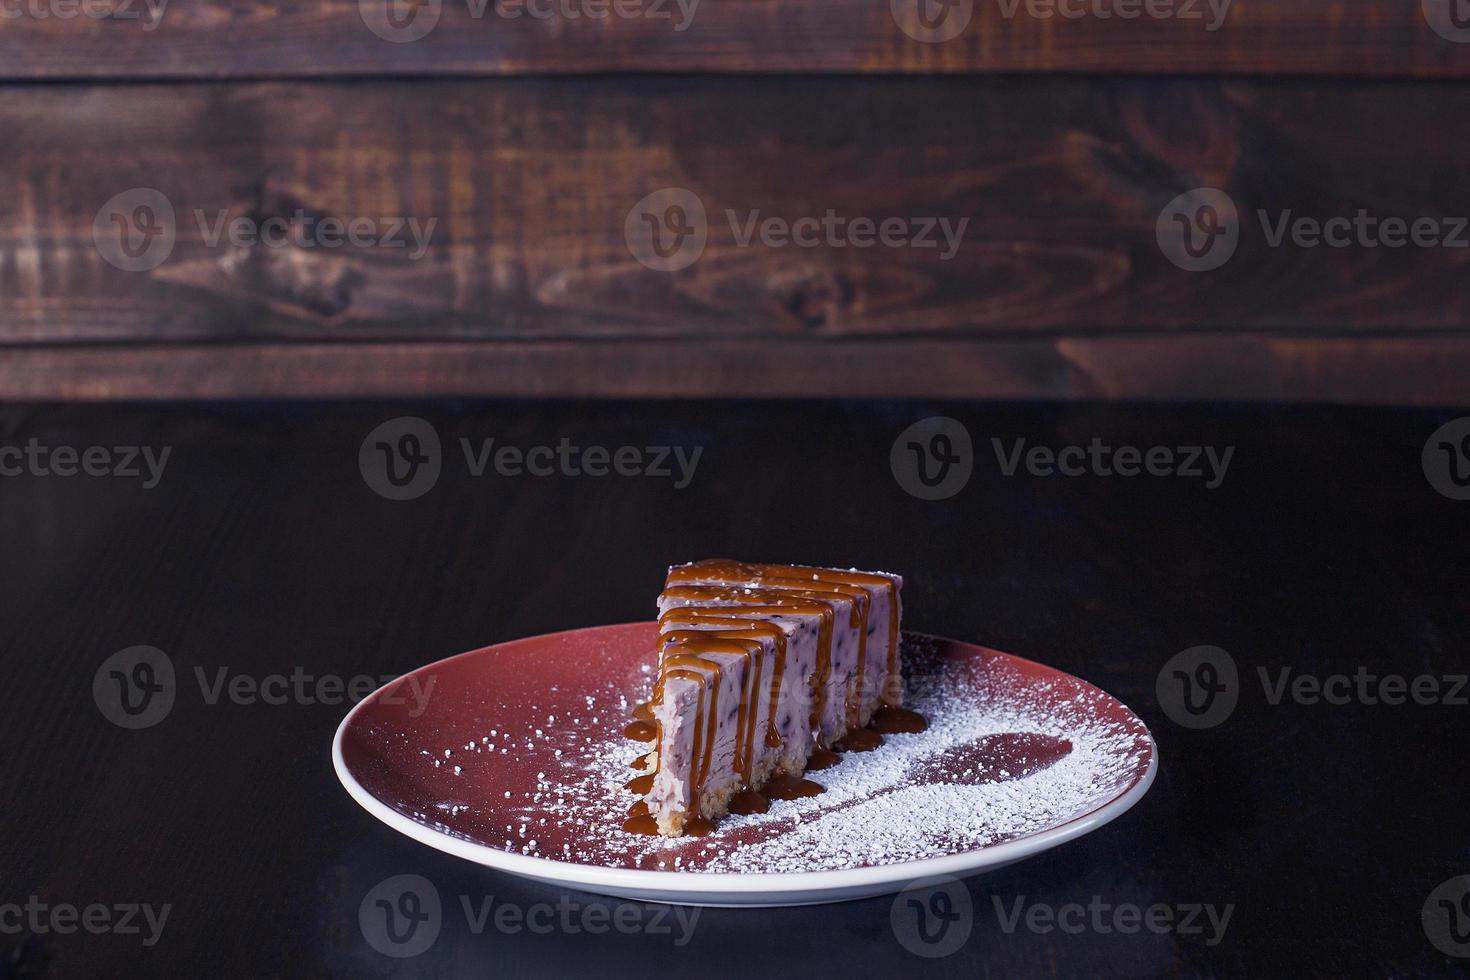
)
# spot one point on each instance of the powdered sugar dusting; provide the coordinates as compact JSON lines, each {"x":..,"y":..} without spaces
{"x":1007,"y":755}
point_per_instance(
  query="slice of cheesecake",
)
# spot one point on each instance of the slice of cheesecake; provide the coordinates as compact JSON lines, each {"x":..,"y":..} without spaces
{"x":865,"y":662}
{"x":763,"y":669}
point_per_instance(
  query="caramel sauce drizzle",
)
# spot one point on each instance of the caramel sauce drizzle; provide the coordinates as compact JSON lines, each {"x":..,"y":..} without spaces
{"x":640,"y":731}
{"x":893,"y":721}
{"x":723,"y":594}
{"x":859,"y":740}
{"x":774,"y":602}
{"x":684,"y":618}
{"x":851,"y":583}
{"x":885,"y":582}
{"x":642,"y":824}
{"x":692,"y":667}
{"x":741,"y":643}
{"x":748,"y":801}
{"x":822,"y":759}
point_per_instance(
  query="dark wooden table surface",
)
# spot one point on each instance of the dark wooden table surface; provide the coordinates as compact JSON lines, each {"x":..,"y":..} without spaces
{"x":262,"y":550}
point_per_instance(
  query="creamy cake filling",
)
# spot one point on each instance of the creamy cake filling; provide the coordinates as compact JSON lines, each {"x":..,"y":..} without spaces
{"x":763,"y":671}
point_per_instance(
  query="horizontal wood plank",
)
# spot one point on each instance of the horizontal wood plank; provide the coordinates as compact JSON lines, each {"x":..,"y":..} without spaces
{"x":1241,"y":368}
{"x":530,"y":188}
{"x":320,"y":38}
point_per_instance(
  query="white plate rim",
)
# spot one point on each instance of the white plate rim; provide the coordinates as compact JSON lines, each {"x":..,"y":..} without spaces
{"x":713,"y":885}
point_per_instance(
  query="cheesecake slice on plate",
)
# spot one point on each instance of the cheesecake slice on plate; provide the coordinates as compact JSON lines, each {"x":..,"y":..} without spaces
{"x":764,"y":670}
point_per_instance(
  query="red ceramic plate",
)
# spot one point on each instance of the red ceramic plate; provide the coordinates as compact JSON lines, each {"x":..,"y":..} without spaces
{"x":512,"y":757}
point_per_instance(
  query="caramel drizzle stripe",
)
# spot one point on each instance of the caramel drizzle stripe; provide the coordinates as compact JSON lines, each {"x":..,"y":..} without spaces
{"x":779,"y":601}
{"x":743,"y":571}
{"x":682,"y":616}
{"x":736,"y":642}
{"x":858,"y":617}
{"x":702,"y":752}
{"x":674,"y":671}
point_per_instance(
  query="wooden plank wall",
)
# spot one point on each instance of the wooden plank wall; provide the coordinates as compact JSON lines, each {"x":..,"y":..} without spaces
{"x":521,"y":188}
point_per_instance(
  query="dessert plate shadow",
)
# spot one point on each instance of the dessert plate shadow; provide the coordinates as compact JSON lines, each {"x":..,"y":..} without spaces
{"x":511,"y":757}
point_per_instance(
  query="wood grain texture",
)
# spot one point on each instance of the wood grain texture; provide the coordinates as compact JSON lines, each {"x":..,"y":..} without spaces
{"x":316,"y":38}
{"x":1409,"y":371}
{"x":529,"y":183}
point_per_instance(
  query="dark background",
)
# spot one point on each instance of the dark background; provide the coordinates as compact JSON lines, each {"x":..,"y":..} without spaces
{"x":263,"y":549}
{"x":1060,"y":318}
